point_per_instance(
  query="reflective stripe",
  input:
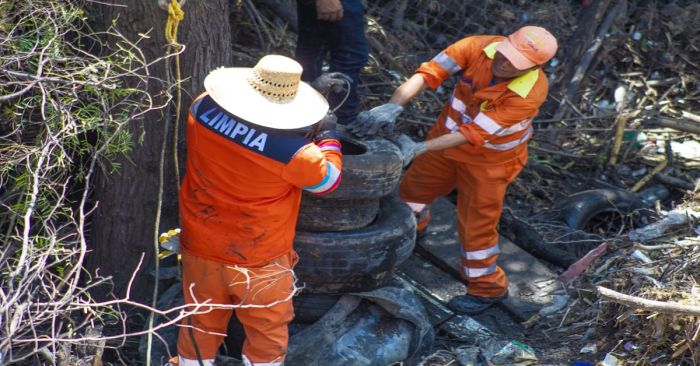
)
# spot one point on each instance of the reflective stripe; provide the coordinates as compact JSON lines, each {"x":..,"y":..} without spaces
{"x":328,"y":182}
{"x":451,"y":124}
{"x":247,"y":362}
{"x":416,"y":207}
{"x":458,"y":105}
{"x":481,"y":254}
{"x":447,"y":62}
{"x":511,"y":144}
{"x":187,"y":362}
{"x":472,"y":272}
{"x":493,"y":128}
{"x":485,"y":122}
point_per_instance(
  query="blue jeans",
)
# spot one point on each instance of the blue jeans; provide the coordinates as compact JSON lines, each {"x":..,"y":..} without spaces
{"x":344,"y":41}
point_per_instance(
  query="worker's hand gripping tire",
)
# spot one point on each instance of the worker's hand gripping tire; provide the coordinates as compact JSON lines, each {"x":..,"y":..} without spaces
{"x":378,"y":120}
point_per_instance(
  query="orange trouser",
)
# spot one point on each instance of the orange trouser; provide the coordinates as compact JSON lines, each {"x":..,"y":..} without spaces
{"x":254,"y":289}
{"x":481,"y":190}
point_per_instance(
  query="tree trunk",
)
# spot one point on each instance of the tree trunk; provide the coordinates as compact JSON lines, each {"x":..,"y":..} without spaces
{"x":123,"y":224}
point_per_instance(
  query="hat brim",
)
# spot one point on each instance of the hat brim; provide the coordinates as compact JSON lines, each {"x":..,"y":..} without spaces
{"x":230,"y":89}
{"x":517,"y":59}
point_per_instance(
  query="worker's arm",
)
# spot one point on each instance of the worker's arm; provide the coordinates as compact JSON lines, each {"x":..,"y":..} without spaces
{"x":408,"y":90}
{"x":445,"y":141}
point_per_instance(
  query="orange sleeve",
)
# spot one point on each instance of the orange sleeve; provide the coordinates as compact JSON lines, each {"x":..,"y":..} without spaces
{"x":454,"y":58}
{"x":316,"y":167}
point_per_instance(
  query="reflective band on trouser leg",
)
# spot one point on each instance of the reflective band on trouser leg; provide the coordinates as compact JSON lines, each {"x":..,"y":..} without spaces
{"x":247,"y":362}
{"x":188,"y":362}
{"x":481,"y":190}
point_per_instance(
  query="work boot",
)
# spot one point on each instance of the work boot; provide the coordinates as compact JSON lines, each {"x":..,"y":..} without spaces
{"x":472,"y":305}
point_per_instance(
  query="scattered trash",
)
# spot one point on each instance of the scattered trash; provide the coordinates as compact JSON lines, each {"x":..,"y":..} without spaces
{"x":630,"y":346}
{"x":558,"y":303}
{"x":604,"y":104}
{"x":590,"y":348}
{"x":650,"y":195}
{"x":515,"y":353}
{"x":469,"y":356}
{"x":657,"y":229}
{"x":610,"y":360}
{"x":636,"y":36}
{"x":554,"y":62}
{"x":581,"y":363}
{"x":638,"y":255}
{"x":582,"y":264}
{"x":689,"y":149}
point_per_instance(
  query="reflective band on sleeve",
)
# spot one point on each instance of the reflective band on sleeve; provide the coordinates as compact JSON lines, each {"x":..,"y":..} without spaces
{"x":447,"y":62}
{"x":490,"y":126}
{"x":188,"y":362}
{"x":520,"y":126}
{"x":473,"y":272}
{"x":328,"y":182}
{"x":509,"y":145}
{"x":451,"y":124}
{"x":458,"y":105}
{"x":481,"y":254}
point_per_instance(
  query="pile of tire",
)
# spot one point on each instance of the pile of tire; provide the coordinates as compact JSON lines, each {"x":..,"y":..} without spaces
{"x":353,"y":239}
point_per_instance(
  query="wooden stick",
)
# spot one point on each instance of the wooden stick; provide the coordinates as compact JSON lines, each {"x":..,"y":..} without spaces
{"x":677,"y":124}
{"x":648,"y":177}
{"x":620,"y":123}
{"x":645,"y":304}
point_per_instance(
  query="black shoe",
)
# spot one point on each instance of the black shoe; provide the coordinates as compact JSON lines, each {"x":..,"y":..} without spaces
{"x":472,"y":305}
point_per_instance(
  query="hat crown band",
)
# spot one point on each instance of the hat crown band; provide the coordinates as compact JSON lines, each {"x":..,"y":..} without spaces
{"x":278,"y":86}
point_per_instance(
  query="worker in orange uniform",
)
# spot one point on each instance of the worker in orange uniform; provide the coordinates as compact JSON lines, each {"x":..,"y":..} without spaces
{"x":247,"y":164}
{"x":478,"y":145}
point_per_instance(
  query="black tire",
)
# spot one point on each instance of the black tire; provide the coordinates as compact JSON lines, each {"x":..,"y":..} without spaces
{"x":319,"y":214}
{"x":371,"y":168}
{"x":309,"y":308}
{"x":578,"y":209}
{"x":357,"y":260}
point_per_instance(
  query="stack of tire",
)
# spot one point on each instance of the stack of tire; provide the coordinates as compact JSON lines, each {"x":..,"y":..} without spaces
{"x":353,"y":239}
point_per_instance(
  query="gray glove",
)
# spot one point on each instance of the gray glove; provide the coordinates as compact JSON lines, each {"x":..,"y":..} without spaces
{"x":331,"y":81}
{"x":378,"y":120}
{"x":409,"y":148}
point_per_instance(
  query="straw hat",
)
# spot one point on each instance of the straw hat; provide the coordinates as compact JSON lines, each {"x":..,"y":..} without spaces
{"x":271,"y":94}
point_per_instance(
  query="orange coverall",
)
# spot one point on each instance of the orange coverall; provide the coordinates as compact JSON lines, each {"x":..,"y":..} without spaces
{"x":496,"y":120}
{"x":239,"y":204}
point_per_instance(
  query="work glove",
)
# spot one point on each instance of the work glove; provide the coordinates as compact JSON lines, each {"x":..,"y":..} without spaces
{"x":337,"y":82}
{"x":378,"y":120}
{"x":409,"y":148}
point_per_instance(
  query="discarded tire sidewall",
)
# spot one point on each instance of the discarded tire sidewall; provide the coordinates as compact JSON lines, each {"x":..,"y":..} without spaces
{"x":357,"y":260}
{"x":371,"y":170}
{"x":578,"y":209}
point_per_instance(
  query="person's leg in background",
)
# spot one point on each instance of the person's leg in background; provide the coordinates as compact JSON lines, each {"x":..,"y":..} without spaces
{"x":202,"y":333}
{"x":480,"y":195}
{"x":265,"y":295}
{"x":311,"y":41}
{"x":349,"y":52}
{"x":430,"y":176}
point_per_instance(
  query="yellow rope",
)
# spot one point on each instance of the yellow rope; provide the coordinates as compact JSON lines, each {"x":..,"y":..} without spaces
{"x":175,"y":15}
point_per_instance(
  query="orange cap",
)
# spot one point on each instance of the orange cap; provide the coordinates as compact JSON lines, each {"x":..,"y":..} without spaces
{"x":528,"y":46}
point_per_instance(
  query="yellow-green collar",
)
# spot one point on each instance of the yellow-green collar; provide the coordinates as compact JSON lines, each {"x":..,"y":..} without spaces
{"x":523,"y":83}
